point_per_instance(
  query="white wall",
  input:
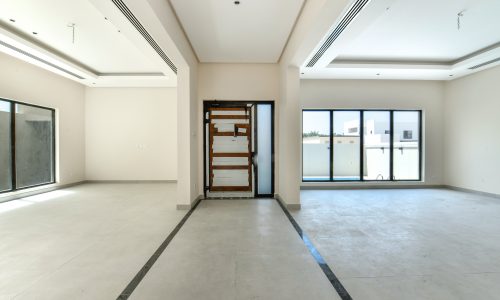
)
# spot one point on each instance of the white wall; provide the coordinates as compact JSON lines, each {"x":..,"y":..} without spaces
{"x":238,"y":82}
{"x":24,"y":82}
{"x":472,"y":131}
{"x":131,"y":133}
{"x":388,"y":94}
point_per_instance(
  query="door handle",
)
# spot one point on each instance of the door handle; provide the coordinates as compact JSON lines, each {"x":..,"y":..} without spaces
{"x":254,"y":158}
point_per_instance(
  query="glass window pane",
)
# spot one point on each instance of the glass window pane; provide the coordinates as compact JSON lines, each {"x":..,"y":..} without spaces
{"x":316,"y":145}
{"x":406,"y":145}
{"x":346,"y":145}
{"x":376,"y":152}
{"x":264,"y":157}
{"x":34,"y":146}
{"x":5,"y":154}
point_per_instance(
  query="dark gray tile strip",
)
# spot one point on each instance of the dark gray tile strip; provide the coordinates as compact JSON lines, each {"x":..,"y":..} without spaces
{"x":125,"y":294}
{"x":344,"y":295}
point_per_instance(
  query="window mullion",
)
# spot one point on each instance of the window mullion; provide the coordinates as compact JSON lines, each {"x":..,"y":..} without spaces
{"x":391,"y":143}
{"x":13,"y":145}
{"x":331,"y":145}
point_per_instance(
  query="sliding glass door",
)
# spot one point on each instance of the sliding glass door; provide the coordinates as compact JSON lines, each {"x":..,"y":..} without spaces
{"x":34,"y":146}
{"x":377,"y":145}
{"x":406,"y":143}
{"x":5,"y":147}
{"x":346,"y":142}
{"x":316,"y":145}
{"x":27,"y":145}
{"x":361,"y":145}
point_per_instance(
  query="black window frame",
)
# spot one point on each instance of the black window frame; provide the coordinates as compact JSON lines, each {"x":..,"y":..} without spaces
{"x":362,"y":144}
{"x":13,"y":174}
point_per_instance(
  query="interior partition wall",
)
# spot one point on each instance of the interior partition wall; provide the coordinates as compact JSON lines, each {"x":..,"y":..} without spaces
{"x":361,"y":145}
{"x":27,"y":145}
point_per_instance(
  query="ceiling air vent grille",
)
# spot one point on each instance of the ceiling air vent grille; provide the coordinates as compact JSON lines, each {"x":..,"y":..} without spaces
{"x":351,"y":14}
{"x":130,"y":16}
{"x":20,"y":51}
{"x":485,"y":63}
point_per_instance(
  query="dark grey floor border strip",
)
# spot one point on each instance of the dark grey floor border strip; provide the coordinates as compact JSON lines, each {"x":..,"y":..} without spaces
{"x":129,"y":289}
{"x":344,"y":295}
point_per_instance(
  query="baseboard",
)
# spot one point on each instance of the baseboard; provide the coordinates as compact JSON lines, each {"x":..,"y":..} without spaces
{"x":189,"y":206}
{"x":23,"y":194}
{"x":293,"y":206}
{"x":471,"y":191}
{"x":131,"y":181}
{"x":370,"y":187}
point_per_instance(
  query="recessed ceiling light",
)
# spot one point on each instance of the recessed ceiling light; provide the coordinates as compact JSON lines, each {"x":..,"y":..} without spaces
{"x":12,"y":20}
{"x":236,"y":2}
{"x":35,"y":33}
{"x":378,"y":74}
{"x":450,"y":75}
{"x":302,"y":73}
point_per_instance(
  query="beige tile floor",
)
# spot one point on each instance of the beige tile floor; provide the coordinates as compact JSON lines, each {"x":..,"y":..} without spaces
{"x":84,"y":242}
{"x":407,"y":244}
{"x":88,"y":242}
{"x":236,"y":249}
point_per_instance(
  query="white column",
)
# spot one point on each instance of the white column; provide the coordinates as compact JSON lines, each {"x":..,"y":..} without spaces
{"x":289,"y":138}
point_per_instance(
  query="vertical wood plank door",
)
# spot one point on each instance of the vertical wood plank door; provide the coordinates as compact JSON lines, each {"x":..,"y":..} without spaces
{"x":230,"y":149}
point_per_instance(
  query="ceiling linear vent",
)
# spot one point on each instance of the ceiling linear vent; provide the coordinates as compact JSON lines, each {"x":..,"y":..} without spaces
{"x":351,"y":14}
{"x":485,"y":63}
{"x":130,"y":16}
{"x":39,"y":59}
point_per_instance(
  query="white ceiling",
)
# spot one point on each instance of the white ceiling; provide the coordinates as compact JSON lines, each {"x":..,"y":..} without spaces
{"x":426,"y":30}
{"x":100,"y":48}
{"x":407,"y":39}
{"x":255,"y":31}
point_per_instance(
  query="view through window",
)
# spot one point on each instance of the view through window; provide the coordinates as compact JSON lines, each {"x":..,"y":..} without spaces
{"x":335,"y":147}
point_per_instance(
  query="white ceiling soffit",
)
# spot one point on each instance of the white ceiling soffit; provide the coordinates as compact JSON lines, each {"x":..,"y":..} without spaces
{"x":107,"y":49}
{"x":253,"y":31}
{"x":405,"y":39}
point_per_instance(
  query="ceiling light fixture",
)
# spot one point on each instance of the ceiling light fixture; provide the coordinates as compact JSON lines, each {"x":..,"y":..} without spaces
{"x":12,"y":20}
{"x":459,"y":15}
{"x":35,"y":33}
{"x":378,"y":74}
{"x":451,"y":75}
{"x":72,"y":26}
{"x":236,"y":2}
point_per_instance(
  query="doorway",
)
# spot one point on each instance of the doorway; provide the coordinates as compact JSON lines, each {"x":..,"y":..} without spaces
{"x":238,"y":146}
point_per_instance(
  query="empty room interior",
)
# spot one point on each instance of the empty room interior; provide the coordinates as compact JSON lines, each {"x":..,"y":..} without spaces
{"x":252,"y":149}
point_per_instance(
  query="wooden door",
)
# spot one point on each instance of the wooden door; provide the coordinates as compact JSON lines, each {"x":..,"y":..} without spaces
{"x":230,"y":149}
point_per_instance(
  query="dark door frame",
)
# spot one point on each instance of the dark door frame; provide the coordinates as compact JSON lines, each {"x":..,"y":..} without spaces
{"x":231,"y":103}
